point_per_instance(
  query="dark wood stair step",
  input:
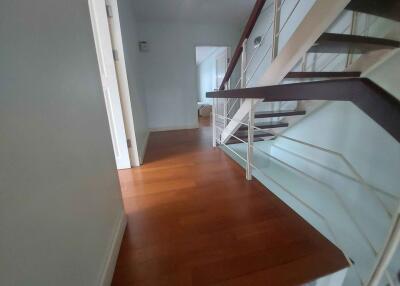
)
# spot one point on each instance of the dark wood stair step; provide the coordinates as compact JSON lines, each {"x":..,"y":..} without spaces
{"x":236,"y":141}
{"x":389,"y":9}
{"x":353,"y":44}
{"x":258,"y":136}
{"x":323,"y":74}
{"x":268,"y":125}
{"x":281,"y":113}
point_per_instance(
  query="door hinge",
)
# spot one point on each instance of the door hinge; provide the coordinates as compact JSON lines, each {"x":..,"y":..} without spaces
{"x":109,"y":11}
{"x":115,"y":55}
{"x":129,"y":143}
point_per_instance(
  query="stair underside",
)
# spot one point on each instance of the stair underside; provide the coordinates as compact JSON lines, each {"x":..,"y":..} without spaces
{"x":389,"y":9}
{"x":323,"y":74}
{"x":270,"y":114}
{"x":267,"y":125}
{"x":350,"y":44}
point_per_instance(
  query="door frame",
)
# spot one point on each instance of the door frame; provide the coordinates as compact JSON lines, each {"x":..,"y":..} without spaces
{"x":120,"y":69}
{"x":228,"y":54}
{"x":226,"y":66}
{"x":225,"y":57}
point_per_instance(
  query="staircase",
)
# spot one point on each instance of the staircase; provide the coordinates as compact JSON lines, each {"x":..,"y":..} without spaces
{"x":347,"y":45}
{"x":327,"y":43}
{"x":320,"y":62}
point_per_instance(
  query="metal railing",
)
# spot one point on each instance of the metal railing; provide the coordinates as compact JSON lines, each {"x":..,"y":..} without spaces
{"x":273,"y":45}
{"x":232,"y":105}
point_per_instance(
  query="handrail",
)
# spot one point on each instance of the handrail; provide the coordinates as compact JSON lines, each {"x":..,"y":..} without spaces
{"x":376,"y":102}
{"x":255,"y":13}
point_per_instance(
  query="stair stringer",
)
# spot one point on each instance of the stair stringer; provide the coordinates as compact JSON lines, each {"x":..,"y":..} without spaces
{"x":318,"y":19}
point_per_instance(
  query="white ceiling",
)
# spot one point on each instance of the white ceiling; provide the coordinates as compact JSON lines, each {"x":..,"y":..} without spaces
{"x":197,"y":11}
{"x":204,"y":52}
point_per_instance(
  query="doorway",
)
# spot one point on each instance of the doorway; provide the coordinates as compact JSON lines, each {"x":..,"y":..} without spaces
{"x":109,"y":48}
{"x":211,"y":66}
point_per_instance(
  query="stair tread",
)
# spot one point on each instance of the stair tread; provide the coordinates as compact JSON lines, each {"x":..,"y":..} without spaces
{"x":236,"y":141}
{"x":322,"y":74}
{"x":353,"y":44}
{"x":267,"y":125}
{"x":383,"y":8}
{"x":257,"y":134}
{"x":280,"y":113}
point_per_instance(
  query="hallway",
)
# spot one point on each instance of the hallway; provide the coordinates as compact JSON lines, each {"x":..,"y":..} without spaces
{"x":193,"y":219}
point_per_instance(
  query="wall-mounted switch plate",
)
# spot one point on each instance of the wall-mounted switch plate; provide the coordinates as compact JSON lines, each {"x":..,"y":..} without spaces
{"x":144,"y":46}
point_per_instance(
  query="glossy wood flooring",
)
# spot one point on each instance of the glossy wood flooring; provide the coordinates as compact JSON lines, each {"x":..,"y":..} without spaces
{"x":193,"y":219}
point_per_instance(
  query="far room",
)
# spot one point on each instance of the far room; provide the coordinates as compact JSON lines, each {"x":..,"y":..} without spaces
{"x":211,"y":65}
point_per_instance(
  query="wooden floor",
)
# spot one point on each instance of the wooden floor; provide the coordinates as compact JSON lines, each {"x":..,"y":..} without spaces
{"x":193,"y":219}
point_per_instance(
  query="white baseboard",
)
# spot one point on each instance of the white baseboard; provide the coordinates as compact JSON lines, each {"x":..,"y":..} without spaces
{"x":172,"y":128}
{"x":112,"y":255}
{"x":144,"y":148}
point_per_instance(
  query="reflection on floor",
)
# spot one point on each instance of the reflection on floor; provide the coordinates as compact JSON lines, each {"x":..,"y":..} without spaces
{"x":193,"y":219}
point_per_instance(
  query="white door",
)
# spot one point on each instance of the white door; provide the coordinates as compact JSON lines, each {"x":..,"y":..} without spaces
{"x":109,"y":81}
{"x":122,"y":77}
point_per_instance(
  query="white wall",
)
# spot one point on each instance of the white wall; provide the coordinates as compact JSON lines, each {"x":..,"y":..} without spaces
{"x":207,"y":74}
{"x":60,"y":201}
{"x":387,"y":74}
{"x":169,"y":68}
{"x":131,"y":51}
